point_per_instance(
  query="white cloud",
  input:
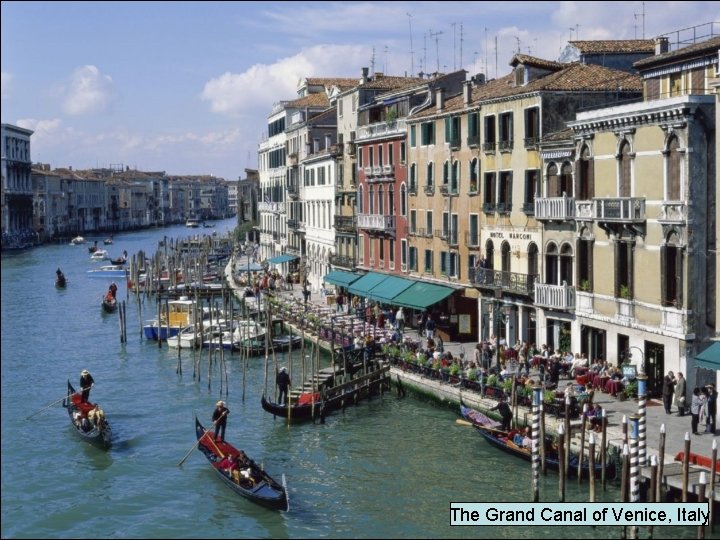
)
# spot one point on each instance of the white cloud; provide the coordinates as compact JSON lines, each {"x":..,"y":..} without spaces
{"x":5,"y":81}
{"x":89,"y":91}
{"x":240,"y":94}
{"x":44,"y":130}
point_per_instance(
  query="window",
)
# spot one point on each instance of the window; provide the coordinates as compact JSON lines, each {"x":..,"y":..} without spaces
{"x":671,"y":273}
{"x":371,"y":151}
{"x":371,"y":200}
{"x":372,"y":250}
{"x":675,"y":82}
{"x":360,"y":203}
{"x":403,"y":201}
{"x":381,"y":154}
{"x":452,"y":131}
{"x":489,"y":192}
{"x":445,"y":224}
{"x":360,"y":157}
{"x":505,"y":257}
{"x":391,"y":157}
{"x":551,"y":264}
{"x":474,"y":184}
{"x":489,"y":255}
{"x":428,"y":222}
{"x":381,"y":249}
{"x":403,"y":253}
{"x":553,"y":181}
{"x":489,"y":139}
{"x":566,"y":265}
{"x":455,"y":177}
{"x":428,"y":261}
{"x":566,"y":183}
{"x":413,"y":221}
{"x":624,"y":169}
{"x":674,"y":168}
{"x":413,"y":177}
{"x":532,"y":260}
{"x":391,"y":199}
{"x":531,"y":191}
{"x":444,"y":263}
{"x":473,"y":236}
{"x":402,"y":152}
{"x":505,"y":192}
{"x":413,"y":137}
{"x":585,"y":175}
{"x":454,"y":266}
{"x":473,"y":138}
{"x":506,"y":131}
{"x":532,"y":126}
{"x":446,"y":173}
{"x":454,"y":229}
{"x":430,"y":176}
{"x":413,"y":256}
{"x":381,"y":201}
{"x":624,"y":269}
{"x":361,"y":249}
{"x":585,"y":264}
{"x":427,"y":133}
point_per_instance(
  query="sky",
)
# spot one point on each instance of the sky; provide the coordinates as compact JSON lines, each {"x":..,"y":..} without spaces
{"x":186,"y":87}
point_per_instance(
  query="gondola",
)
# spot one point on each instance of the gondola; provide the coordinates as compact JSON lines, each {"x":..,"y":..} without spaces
{"x":96,"y":435}
{"x":119,"y":260}
{"x":254,"y":483}
{"x":109,"y":305}
{"x":60,"y":282}
{"x":503,"y":440}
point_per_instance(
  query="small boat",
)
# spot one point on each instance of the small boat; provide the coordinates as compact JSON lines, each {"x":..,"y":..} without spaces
{"x":111,"y":271}
{"x":99,"y":255}
{"x":108,"y":241}
{"x":109,"y":304}
{"x":93,"y":248}
{"x":504,"y":441}
{"x":182,"y":312}
{"x":60,"y":282}
{"x":77,"y":241}
{"x":99,"y":435}
{"x":208,"y":225}
{"x":193,"y":223}
{"x":252,"y":482}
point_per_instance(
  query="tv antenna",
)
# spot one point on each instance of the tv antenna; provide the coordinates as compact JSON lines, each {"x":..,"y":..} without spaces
{"x":412,"y":53}
{"x":636,"y":15}
{"x":454,"y":27}
{"x":437,"y":46}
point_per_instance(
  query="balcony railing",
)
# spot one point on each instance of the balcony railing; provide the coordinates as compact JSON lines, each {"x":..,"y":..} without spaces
{"x":488,"y":147}
{"x":381,"y":129}
{"x":555,"y":208}
{"x":489,"y":208}
{"x":412,"y":189}
{"x":618,"y":210}
{"x":506,"y":146}
{"x":441,"y":233}
{"x":531,"y":142}
{"x":473,"y":140}
{"x":503,"y":208}
{"x":673,"y":212}
{"x":430,"y":190}
{"x":561,"y":297}
{"x":345,"y":223}
{"x":454,"y":142}
{"x":376,"y":222}
{"x":293,"y":188}
{"x":274,"y":207}
{"x":343,"y":261}
{"x":510,"y":282}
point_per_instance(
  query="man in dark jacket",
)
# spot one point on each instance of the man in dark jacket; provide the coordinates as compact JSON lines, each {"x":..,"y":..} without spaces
{"x":711,"y":407}
{"x":86,"y":382}
{"x":505,"y":412}
{"x":283,"y":382}
{"x":220,"y":420}
{"x":668,"y":390}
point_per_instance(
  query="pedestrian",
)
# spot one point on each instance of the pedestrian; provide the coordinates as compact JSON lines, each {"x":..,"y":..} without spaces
{"x":400,"y":320}
{"x":680,"y":402}
{"x":283,"y":382}
{"x":668,"y":390}
{"x":340,"y":301}
{"x":219,"y":418}
{"x":696,"y":406}
{"x":86,"y":383}
{"x":711,"y":408}
{"x":505,"y":413}
{"x":430,"y":327}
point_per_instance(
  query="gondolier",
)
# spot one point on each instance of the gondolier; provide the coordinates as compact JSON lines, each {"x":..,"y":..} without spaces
{"x":86,"y":382}
{"x":505,"y":412}
{"x":219,"y":418}
{"x":283,"y":383}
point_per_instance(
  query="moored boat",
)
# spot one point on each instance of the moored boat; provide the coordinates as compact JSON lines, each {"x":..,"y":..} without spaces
{"x":109,"y":271}
{"x":182,"y":312}
{"x":97,"y":433}
{"x":109,"y":304}
{"x":249,"y":481}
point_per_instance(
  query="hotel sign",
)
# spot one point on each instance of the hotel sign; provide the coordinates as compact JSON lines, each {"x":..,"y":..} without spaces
{"x":518,"y":240}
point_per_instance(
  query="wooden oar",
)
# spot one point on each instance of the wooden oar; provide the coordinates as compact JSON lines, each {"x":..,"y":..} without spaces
{"x":193,"y":448}
{"x":46,"y":408}
{"x":461,"y":422}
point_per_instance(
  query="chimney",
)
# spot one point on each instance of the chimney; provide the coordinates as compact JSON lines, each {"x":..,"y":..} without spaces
{"x":479,"y":79}
{"x":467,"y":93}
{"x":378,"y":75}
{"x":440,"y":99}
{"x":662,"y":45}
{"x":364,"y":75}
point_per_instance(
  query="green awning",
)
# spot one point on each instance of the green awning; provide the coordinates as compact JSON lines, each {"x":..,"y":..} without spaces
{"x":420,"y":295}
{"x":362,"y":286}
{"x":342,"y":278}
{"x":282,"y":259}
{"x":389,"y":288}
{"x":709,"y":358}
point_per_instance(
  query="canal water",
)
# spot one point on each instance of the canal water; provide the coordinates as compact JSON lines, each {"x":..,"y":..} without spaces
{"x":385,"y":468}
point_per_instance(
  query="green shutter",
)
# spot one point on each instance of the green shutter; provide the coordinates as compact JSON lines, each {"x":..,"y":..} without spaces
{"x":413,"y":140}
{"x":448,"y":129}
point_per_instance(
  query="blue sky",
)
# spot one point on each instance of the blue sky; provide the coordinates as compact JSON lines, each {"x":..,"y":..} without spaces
{"x":186,"y":87}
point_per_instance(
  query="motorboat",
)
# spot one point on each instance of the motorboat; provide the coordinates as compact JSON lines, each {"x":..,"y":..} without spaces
{"x":77,"y":241}
{"x":177,"y":315}
{"x":109,"y":271}
{"x":100,"y":255}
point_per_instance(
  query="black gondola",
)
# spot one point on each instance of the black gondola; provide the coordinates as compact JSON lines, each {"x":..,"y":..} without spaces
{"x":503,"y":440}
{"x":251,"y":482}
{"x":99,"y":435}
{"x":60,"y":282}
{"x":109,"y":305}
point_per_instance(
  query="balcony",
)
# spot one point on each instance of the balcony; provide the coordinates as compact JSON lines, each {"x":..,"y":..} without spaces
{"x":554,"y":208}
{"x":412,"y":189}
{"x":345,"y":223}
{"x":489,"y":147}
{"x":506,"y":146}
{"x":368,"y":171}
{"x":293,"y":159}
{"x":343,"y":261}
{"x":531,"y":142}
{"x":293,"y":224}
{"x":473,"y":141}
{"x":560,"y":297}
{"x":381,"y":129}
{"x":673,"y":213}
{"x":272,"y":207}
{"x":441,"y":233}
{"x":675,"y":320}
{"x":613,"y":210}
{"x":376,"y":222}
{"x":509,"y":282}
{"x":503,"y":208}
{"x":454,"y":142}
{"x":388,"y":169}
{"x":489,"y":208}
{"x":444,"y":189}
{"x":293,"y":188}
{"x":430,"y":190}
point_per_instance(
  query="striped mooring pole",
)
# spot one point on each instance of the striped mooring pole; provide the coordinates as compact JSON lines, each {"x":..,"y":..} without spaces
{"x":642,"y":396}
{"x":634,"y":468}
{"x":537,"y":400}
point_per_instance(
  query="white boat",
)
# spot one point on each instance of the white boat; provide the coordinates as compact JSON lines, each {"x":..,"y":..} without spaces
{"x":77,"y":241}
{"x":244,"y":330}
{"x":109,"y":271}
{"x":194,"y":223}
{"x":100,"y":255}
{"x":187,"y":338}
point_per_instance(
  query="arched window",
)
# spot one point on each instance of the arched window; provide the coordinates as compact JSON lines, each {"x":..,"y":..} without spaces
{"x":381,"y":201}
{"x":413,"y":177}
{"x":585,"y":172}
{"x":674,"y":167}
{"x":624,"y":169}
{"x":490,"y":254}
{"x":566,"y":264}
{"x":566,"y":183}
{"x":505,"y":256}
{"x":403,"y":201}
{"x":430,"y":175}
{"x":360,"y":201}
{"x":371,"y":200}
{"x":391,"y":200}
{"x":553,"y":181}
{"x":532,"y":259}
{"x":551,"y":264}
{"x":474,"y":175}
{"x":671,"y":271}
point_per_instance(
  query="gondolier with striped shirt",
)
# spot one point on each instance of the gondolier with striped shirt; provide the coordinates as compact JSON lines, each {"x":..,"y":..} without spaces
{"x":86,"y":382}
{"x":219,"y":418}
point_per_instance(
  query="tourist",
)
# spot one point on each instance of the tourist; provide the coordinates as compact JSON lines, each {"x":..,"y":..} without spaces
{"x":696,"y":406}
{"x":711,"y":408}
{"x":430,"y":327}
{"x":219,"y":418}
{"x":680,"y":401}
{"x":668,"y":390}
{"x":400,"y":320}
{"x":86,"y":383}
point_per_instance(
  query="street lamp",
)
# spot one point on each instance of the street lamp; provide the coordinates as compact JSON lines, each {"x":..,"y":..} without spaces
{"x":642,"y":356}
{"x":500,"y":315}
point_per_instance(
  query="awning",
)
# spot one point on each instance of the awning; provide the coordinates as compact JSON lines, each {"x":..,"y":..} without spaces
{"x":420,"y":295}
{"x":362,"y":286}
{"x":341,"y":277}
{"x":388,"y":289}
{"x":282,"y":259}
{"x":709,"y":358}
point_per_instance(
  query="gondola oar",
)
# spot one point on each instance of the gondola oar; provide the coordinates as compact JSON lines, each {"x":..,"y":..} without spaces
{"x":46,"y":408}
{"x":198,"y":442}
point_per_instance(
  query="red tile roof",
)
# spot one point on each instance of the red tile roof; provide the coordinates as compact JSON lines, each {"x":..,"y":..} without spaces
{"x":614,"y":46}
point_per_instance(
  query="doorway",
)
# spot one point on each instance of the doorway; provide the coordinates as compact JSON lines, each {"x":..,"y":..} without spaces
{"x":654,"y":367}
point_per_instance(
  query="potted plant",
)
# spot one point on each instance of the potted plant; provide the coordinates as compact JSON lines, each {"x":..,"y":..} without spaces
{"x":548,"y":396}
{"x":625,"y":292}
{"x":630,"y":390}
{"x":584,"y":285}
{"x":492,"y":380}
